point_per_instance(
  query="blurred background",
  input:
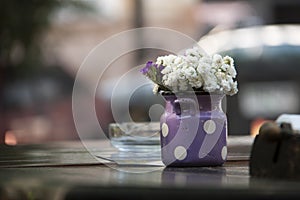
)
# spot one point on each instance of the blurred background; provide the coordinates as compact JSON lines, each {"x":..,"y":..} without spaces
{"x":43,"y":44}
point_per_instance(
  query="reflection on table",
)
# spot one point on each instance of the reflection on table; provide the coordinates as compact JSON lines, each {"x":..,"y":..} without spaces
{"x":67,"y":170}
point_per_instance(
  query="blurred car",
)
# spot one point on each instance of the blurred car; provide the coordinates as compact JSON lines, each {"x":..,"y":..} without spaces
{"x":267,"y":61}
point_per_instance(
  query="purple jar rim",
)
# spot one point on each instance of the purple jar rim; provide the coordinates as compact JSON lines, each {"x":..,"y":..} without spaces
{"x":167,"y":93}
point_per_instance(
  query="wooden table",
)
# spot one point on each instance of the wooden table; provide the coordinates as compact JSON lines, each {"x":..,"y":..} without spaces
{"x":66,"y":170}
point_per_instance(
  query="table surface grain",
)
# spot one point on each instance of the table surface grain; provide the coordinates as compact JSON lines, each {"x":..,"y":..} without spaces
{"x":66,"y":170}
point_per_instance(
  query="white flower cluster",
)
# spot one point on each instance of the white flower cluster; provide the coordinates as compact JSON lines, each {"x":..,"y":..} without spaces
{"x":197,"y":70}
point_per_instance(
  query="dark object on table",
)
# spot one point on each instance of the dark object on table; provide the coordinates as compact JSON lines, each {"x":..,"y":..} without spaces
{"x":275,"y":152}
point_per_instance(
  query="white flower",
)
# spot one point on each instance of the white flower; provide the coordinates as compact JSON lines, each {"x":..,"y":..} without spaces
{"x":234,"y":89}
{"x":206,"y":60}
{"x":155,"y":88}
{"x":228,"y":60}
{"x":231,"y":71}
{"x":166,"y":70}
{"x":166,"y":60}
{"x":177,"y":60}
{"x":192,"y":59}
{"x":190,"y":72}
{"x":197,"y":70}
{"x":224,"y":67}
{"x":203,"y":68}
{"x":217,"y":61}
{"x":182,"y":85}
{"x":196,"y":82}
{"x":195,"y":51}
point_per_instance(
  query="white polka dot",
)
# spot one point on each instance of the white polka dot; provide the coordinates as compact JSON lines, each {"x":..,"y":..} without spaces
{"x":180,"y":153}
{"x":209,"y":126}
{"x":164,"y":129}
{"x":224,"y":152}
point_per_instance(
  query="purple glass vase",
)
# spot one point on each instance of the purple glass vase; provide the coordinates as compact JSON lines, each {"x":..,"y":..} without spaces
{"x":193,"y":129}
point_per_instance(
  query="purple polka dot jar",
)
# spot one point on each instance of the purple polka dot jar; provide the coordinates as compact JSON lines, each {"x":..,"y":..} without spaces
{"x":193,"y":129}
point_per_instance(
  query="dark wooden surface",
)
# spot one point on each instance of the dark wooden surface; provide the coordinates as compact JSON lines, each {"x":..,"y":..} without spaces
{"x":67,"y":170}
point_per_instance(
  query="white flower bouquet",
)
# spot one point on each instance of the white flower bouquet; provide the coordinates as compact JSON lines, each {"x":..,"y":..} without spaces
{"x":193,"y":71}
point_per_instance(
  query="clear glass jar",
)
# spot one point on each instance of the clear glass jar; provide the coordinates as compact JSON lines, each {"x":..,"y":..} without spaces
{"x":135,"y":136}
